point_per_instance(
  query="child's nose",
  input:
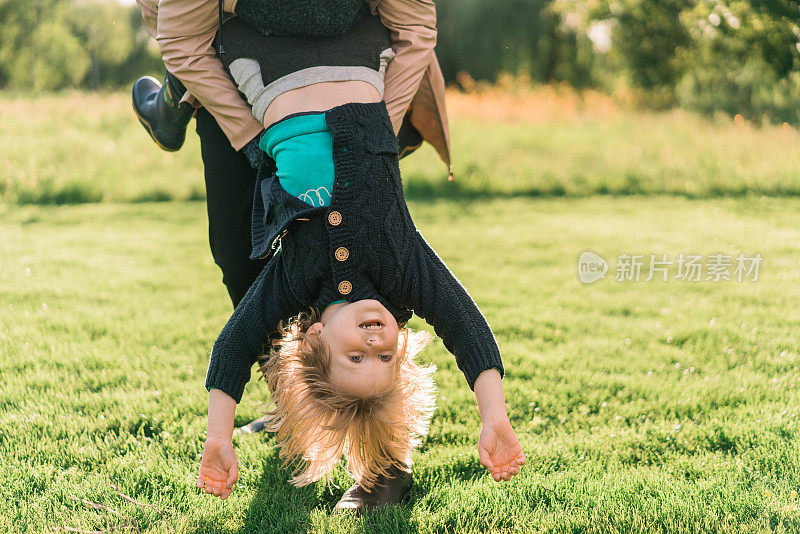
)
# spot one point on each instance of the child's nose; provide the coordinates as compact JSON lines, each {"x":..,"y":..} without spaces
{"x":374,"y":338}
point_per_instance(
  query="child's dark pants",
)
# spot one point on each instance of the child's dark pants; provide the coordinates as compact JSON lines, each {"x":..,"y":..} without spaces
{"x":229,"y":196}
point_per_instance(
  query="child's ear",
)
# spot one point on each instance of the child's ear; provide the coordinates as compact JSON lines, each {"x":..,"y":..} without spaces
{"x":313,"y":330}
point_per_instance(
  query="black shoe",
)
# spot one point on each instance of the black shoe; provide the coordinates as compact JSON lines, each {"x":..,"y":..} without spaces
{"x":393,"y":489}
{"x":252,"y":427}
{"x":160,"y":111}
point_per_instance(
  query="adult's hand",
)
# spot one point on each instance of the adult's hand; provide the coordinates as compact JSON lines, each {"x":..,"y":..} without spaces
{"x":253,"y":152}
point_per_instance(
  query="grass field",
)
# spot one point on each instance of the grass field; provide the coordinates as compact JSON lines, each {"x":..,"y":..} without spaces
{"x":87,"y":148}
{"x":642,"y":406}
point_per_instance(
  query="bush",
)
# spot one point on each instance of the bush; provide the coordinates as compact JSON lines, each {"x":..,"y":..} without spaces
{"x":59,"y":44}
{"x":752,"y":90}
{"x":72,"y":192}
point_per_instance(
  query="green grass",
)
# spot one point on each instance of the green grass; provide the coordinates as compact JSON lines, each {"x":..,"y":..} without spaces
{"x":80,"y":148}
{"x":647,"y":406}
{"x":642,"y":406}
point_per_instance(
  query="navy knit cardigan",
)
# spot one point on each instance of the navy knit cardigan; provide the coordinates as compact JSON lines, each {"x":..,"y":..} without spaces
{"x":364,"y":245}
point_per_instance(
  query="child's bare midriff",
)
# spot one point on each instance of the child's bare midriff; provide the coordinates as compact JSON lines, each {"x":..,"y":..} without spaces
{"x":319,"y":97}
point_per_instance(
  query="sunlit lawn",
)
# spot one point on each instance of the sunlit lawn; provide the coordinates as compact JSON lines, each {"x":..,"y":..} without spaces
{"x":86,"y":147}
{"x":642,"y":406}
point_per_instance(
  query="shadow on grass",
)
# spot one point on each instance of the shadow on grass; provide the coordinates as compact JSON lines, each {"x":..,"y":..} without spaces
{"x":422,"y":191}
{"x":49,"y":194}
{"x":279,"y":507}
{"x":461,"y":469}
{"x":427,"y":191}
{"x":391,"y":519}
{"x":399,"y":519}
{"x":75,"y":192}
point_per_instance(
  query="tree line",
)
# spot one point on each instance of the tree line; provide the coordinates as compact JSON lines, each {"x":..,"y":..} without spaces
{"x":734,"y":56}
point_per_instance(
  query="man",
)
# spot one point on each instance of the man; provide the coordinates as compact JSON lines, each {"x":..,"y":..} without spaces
{"x":229,"y":134}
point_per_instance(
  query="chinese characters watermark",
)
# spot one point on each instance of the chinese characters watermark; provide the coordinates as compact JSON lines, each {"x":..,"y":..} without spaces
{"x":685,"y":267}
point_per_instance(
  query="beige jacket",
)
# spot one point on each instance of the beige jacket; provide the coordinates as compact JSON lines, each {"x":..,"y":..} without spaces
{"x":185,"y":31}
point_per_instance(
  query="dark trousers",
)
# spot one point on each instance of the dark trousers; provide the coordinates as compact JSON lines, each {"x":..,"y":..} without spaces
{"x":229,"y":196}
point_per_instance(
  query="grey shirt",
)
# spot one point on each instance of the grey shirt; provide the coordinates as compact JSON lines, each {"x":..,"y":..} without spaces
{"x":265,"y":66}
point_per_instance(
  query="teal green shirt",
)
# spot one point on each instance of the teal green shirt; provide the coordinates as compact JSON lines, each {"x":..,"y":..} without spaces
{"x":302,"y":147}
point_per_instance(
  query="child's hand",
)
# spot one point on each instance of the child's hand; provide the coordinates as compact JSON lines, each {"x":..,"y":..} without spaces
{"x":499,"y":449}
{"x":219,"y":469}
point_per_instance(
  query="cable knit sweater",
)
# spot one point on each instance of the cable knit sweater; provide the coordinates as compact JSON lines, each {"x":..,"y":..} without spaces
{"x":320,"y":18}
{"x":363,"y":245}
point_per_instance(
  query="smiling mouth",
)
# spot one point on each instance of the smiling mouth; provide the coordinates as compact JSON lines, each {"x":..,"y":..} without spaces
{"x":371,"y":325}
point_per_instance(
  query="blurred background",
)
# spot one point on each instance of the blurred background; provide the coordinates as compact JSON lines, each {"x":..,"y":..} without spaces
{"x":619,"y":127}
{"x":735,"y":57}
{"x":697,"y":98}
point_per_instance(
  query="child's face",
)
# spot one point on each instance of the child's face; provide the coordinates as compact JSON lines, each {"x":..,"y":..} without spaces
{"x":362,"y":339}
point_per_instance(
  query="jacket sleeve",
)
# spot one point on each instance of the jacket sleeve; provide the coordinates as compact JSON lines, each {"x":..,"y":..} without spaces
{"x":248,"y":331}
{"x":434,"y":293}
{"x":149,"y":16}
{"x":412,"y":26}
{"x":185,"y":32}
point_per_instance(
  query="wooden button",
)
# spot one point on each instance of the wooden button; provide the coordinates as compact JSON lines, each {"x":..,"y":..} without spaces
{"x":341,"y":253}
{"x":334,"y":218}
{"x":345,"y":287}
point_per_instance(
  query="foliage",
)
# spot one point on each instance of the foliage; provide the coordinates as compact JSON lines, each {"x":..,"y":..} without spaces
{"x":745,"y":60}
{"x":730,"y":56}
{"x":735,"y":56}
{"x":486,"y":39}
{"x":59,"y":44}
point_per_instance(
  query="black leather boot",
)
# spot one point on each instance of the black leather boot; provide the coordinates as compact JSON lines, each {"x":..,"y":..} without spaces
{"x":257,"y":425}
{"x":393,"y":489}
{"x":160,"y":111}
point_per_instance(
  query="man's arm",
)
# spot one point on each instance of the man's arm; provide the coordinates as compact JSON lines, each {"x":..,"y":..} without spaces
{"x":247,"y":332}
{"x":412,"y":26}
{"x":149,"y":16}
{"x":185,"y":32}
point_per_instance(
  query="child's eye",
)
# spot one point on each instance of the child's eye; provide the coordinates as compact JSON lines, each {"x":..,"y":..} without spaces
{"x":355,"y":359}
{"x":386,"y":357}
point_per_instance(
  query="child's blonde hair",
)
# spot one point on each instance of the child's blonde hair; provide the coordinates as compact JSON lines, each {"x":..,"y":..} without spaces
{"x":316,"y":423}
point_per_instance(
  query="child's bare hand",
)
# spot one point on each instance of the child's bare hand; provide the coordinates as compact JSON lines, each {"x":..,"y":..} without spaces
{"x":219,"y":469}
{"x":499,"y":449}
